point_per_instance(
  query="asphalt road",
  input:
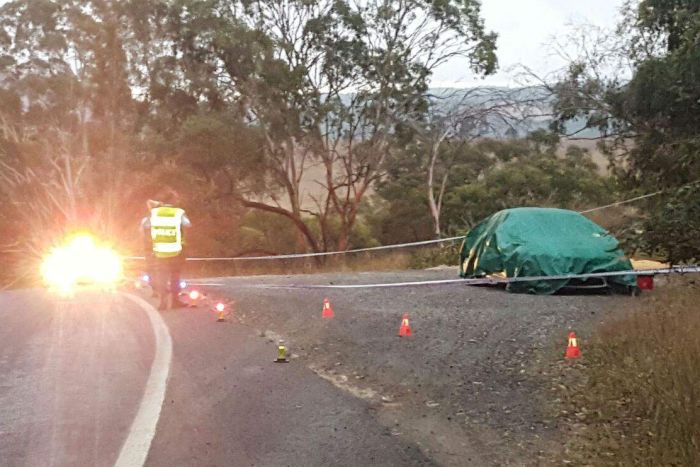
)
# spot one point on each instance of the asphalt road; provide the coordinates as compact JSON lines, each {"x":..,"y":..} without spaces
{"x":74,"y":374}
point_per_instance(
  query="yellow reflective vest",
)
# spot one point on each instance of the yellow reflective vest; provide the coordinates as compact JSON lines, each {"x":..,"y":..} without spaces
{"x":166,"y":231}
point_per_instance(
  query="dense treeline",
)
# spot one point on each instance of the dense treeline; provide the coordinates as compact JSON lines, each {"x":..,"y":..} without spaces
{"x":482,"y":177}
{"x":651,"y":122}
{"x":229,"y":102}
{"x":307,"y":126}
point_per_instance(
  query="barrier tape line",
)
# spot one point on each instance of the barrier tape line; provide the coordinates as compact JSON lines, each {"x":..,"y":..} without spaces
{"x":387,"y":247}
{"x":489,"y":280}
{"x":620,"y":203}
{"x":323,"y":253}
{"x":631,"y":200}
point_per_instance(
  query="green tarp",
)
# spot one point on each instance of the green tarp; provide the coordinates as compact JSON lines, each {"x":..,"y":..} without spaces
{"x":524,"y":242}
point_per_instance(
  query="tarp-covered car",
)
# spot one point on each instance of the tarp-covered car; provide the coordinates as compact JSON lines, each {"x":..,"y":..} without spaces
{"x":527,"y":242}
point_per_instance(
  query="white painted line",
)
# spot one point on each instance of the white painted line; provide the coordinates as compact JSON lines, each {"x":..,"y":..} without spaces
{"x":208,"y":284}
{"x":484,"y":281}
{"x":487,"y":280}
{"x":143,"y":428}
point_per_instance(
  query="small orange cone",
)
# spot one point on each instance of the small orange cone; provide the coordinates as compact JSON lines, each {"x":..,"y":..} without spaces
{"x":572,"y":349}
{"x":220,"y":308}
{"x":405,"y":329}
{"x":327,"y":309}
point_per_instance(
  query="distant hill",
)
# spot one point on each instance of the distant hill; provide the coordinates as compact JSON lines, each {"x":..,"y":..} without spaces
{"x":532,"y":108}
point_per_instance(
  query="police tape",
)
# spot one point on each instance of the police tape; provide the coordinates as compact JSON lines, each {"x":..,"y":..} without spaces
{"x":486,"y":280}
{"x":321,"y":253}
{"x":395,"y":245}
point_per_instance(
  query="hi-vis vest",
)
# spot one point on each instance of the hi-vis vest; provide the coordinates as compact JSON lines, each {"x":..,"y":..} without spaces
{"x":166,"y":231}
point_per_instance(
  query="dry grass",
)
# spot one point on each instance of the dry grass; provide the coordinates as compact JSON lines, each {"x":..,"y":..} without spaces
{"x":387,"y":260}
{"x":350,"y":263}
{"x":639,"y":400}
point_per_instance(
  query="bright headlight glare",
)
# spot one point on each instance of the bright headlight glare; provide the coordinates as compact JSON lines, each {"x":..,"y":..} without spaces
{"x":81,"y":260}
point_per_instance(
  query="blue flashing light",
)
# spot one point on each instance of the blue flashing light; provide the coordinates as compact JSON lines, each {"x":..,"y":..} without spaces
{"x":146,"y":278}
{"x":183,"y":284}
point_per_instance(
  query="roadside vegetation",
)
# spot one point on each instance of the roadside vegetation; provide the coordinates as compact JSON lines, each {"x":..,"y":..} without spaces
{"x":634,"y":398}
{"x":421,"y":257}
{"x":331,"y":138}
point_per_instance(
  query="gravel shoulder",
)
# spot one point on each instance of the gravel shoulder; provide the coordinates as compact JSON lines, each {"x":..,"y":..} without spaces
{"x":471,"y":386}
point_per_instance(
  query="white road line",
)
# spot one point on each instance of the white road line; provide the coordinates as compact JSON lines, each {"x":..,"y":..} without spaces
{"x":690,"y":269}
{"x":143,"y":428}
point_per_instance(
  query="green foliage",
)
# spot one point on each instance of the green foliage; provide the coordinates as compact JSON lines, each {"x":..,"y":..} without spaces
{"x":405,"y":216}
{"x":222,"y":151}
{"x":262,"y":233}
{"x":652,"y":121}
{"x":322,"y":83}
{"x":401,"y":218}
{"x":536,"y":180}
{"x":104,"y":102}
{"x":488,"y":176}
{"x":674,"y":226}
{"x":399,"y":213}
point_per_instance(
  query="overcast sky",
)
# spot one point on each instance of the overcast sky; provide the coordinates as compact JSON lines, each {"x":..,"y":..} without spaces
{"x":524,"y":27}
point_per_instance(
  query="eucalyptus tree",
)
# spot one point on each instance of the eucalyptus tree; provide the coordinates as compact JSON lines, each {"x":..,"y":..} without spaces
{"x":321,"y":83}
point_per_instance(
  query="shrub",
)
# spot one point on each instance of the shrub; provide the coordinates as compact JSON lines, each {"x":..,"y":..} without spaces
{"x":427,"y":257}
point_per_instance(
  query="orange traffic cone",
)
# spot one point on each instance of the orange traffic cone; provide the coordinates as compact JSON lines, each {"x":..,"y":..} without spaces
{"x":572,"y":350}
{"x":327,"y":309}
{"x":405,"y":329}
{"x":220,"y":308}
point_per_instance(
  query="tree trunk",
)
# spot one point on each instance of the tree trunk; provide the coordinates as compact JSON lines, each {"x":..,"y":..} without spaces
{"x":432,"y":203}
{"x":296,"y":219}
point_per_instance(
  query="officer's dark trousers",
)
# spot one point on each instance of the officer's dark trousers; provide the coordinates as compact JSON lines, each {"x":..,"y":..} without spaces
{"x":167,"y":276}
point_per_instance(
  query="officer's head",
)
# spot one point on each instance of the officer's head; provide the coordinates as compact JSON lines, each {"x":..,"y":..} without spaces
{"x":169,"y":196}
{"x":152,"y":204}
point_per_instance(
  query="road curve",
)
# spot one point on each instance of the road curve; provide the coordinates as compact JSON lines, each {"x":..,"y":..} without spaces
{"x":72,"y":375}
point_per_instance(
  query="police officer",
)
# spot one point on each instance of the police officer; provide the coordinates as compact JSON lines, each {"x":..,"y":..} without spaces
{"x":166,"y":224}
